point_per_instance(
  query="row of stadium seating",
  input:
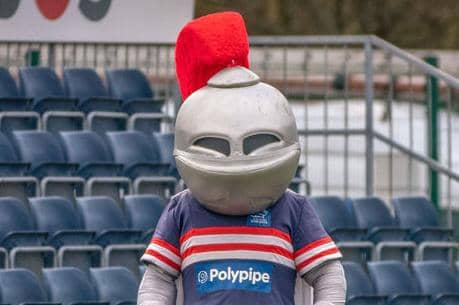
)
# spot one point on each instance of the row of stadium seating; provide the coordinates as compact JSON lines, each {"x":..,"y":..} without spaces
{"x":93,"y":232}
{"x":393,"y":282}
{"x":364,"y":228}
{"x":82,"y":101}
{"x":104,"y":286}
{"x":68,"y":162}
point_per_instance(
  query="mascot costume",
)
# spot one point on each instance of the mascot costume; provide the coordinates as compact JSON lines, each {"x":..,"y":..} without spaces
{"x":236,"y":236}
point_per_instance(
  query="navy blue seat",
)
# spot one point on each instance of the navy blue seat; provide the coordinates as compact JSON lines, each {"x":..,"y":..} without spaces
{"x":9,"y":162}
{"x":419,"y":215}
{"x":394,"y":279}
{"x":372,"y":214}
{"x":21,"y":286}
{"x":143,"y":212}
{"x":165,"y":143}
{"x":89,"y":150}
{"x":360,"y":290}
{"x":436,"y":278}
{"x":85,"y":85}
{"x":337,"y":218}
{"x":10,"y":100}
{"x":137,"y":152}
{"x":69,"y":286}
{"x":44,"y":86}
{"x":133,"y":88}
{"x":16,"y":225}
{"x":43,"y":151}
{"x":103,"y":215}
{"x":116,"y":285}
{"x":58,"y":217}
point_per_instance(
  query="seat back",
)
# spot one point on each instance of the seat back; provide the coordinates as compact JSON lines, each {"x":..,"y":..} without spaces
{"x":39,"y":82}
{"x":20,"y":286}
{"x":53,"y":214}
{"x":38,"y":147}
{"x":372,"y":212}
{"x":83,"y":83}
{"x":8,"y":86}
{"x":128,"y":84}
{"x":435,"y":277}
{"x":358,"y":282}
{"x":84,"y":147}
{"x":7,"y":153}
{"x":132,"y":147}
{"x":412,"y":212}
{"x":68,"y":285}
{"x":392,"y":277}
{"x":333,"y":212}
{"x":100,"y":213}
{"x":165,"y":142}
{"x":14,"y":216}
{"x":143,"y":211}
{"x":114,"y":284}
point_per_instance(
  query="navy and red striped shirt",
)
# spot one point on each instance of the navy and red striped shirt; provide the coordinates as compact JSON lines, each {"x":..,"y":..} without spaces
{"x":250,"y":259}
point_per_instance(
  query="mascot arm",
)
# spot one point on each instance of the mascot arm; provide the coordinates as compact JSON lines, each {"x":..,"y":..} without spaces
{"x":157,"y":288}
{"x":328,"y":282}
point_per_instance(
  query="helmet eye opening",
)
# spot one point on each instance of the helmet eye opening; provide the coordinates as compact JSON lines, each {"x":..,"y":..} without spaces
{"x":213,"y":143}
{"x":256,"y":141}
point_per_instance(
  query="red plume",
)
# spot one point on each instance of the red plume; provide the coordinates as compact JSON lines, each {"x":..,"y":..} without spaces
{"x":207,"y":45}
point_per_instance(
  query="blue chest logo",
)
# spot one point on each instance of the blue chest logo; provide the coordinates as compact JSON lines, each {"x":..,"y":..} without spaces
{"x":233,"y":274}
{"x":260,"y":219}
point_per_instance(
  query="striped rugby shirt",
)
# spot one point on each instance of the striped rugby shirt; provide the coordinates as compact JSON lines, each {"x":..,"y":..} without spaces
{"x":230,"y":260}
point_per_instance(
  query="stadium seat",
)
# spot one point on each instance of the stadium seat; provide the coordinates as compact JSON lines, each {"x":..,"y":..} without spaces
{"x":133,"y":88}
{"x":19,"y":235}
{"x":360,"y":290}
{"x":142,"y":162}
{"x":339,"y":221}
{"x":95,"y":164}
{"x":15,"y":111}
{"x":373,"y":215}
{"x":143,"y":212}
{"x":105,"y":216}
{"x":436,"y":278}
{"x":44,"y":152}
{"x":69,"y":286}
{"x":59,"y":111}
{"x":394,"y":279}
{"x":103,"y":110}
{"x":165,"y":143}
{"x":20,"y":286}
{"x":419,"y":216}
{"x":13,"y":179}
{"x":116,"y":285}
{"x":58,"y":217}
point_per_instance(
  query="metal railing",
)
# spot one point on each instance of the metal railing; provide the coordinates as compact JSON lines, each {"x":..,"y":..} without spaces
{"x":364,"y":107}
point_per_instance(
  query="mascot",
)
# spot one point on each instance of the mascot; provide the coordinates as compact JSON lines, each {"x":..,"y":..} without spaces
{"x":236,"y":235}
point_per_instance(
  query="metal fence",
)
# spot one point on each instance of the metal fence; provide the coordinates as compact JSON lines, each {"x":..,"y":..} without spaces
{"x":373,"y":119}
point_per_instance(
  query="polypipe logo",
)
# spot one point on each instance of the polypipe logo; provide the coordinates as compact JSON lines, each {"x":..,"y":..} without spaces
{"x":93,"y":10}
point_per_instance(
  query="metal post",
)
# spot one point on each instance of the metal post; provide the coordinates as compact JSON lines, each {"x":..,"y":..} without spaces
{"x":432,"y":95}
{"x":369,"y":117}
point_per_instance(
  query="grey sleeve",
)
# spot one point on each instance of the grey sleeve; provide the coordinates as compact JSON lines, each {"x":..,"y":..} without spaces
{"x":328,"y":282}
{"x":156,"y":288}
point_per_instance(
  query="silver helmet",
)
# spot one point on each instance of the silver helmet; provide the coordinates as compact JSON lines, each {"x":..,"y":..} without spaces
{"x":236,"y":143}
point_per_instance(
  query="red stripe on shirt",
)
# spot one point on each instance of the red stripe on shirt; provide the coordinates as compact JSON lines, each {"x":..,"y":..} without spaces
{"x":313,"y":245}
{"x":163,"y":259}
{"x":316,"y":257}
{"x":164,"y":244}
{"x":236,"y":247}
{"x":235,"y":230}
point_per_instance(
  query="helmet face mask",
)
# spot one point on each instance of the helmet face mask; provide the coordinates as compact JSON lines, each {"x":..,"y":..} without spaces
{"x":236,"y":144}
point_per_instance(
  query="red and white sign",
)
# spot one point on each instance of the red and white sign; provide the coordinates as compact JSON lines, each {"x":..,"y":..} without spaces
{"x":93,"y":20}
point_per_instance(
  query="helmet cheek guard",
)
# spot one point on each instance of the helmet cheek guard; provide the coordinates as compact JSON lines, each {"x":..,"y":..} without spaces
{"x":236,"y":141}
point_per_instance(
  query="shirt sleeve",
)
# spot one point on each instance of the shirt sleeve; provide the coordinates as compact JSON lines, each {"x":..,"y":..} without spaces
{"x":312,"y":245}
{"x":163,"y":249}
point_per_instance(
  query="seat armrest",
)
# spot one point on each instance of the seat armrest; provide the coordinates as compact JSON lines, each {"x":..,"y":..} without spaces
{"x":147,"y":169}
{"x":100,"y":103}
{"x":55,"y":103}
{"x":378,"y":234}
{"x":71,"y":237}
{"x":138,"y":105}
{"x":431,"y":234}
{"x":54,"y":169}
{"x":118,"y":236}
{"x":24,"y":238}
{"x":348,"y":234}
{"x":100,"y":169}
